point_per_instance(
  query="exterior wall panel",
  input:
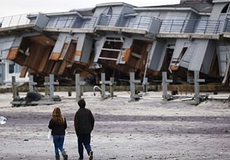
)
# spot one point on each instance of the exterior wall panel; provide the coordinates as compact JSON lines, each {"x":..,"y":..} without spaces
{"x":157,"y":54}
{"x":41,"y":21}
{"x":223,"y":54}
{"x":209,"y":56}
{"x":197,"y":61}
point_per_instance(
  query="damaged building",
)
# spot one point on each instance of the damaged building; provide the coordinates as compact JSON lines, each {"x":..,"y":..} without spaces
{"x":118,"y":38}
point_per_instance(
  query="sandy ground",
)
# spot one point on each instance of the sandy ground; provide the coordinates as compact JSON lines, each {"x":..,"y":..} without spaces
{"x":124,"y":130}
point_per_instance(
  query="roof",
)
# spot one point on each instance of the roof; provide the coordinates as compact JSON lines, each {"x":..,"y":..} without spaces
{"x":114,"y":4}
{"x":84,"y":11}
{"x":203,"y":7}
{"x":221,"y":1}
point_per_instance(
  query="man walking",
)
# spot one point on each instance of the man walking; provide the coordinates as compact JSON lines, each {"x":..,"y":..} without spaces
{"x":84,"y":124}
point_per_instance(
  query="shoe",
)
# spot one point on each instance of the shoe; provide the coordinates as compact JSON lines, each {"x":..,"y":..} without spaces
{"x":65,"y":156}
{"x":57,"y":157}
{"x":91,"y":155}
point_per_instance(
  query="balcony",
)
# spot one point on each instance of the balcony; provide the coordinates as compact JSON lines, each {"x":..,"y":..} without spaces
{"x":61,"y":22}
{"x":86,"y":22}
{"x":12,"y":21}
{"x":21,"y":22}
{"x":192,"y":26}
{"x":227,"y":25}
{"x":71,"y":23}
{"x":129,"y":23}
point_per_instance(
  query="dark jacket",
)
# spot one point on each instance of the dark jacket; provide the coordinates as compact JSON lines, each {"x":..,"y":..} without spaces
{"x":83,"y":121}
{"x":57,"y":128}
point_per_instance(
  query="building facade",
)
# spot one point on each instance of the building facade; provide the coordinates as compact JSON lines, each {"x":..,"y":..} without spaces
{"x":118,"y":38}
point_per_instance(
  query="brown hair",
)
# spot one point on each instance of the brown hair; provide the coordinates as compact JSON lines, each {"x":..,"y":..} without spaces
{"x":57,"y":116}
{"x":81,"y":103}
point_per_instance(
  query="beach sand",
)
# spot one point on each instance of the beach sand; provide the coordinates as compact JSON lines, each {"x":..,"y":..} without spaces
{"x":124,"y":130}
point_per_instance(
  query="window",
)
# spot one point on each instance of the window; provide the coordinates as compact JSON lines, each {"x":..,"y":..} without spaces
{"x":11,"y":68}
{"x":110,"y":12}
{"x":225,"y":9}
{"x":61,"y":21}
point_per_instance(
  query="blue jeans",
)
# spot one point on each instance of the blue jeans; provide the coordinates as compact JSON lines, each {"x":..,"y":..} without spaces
{"x":84,"y":139}
{"x":58,"y":143}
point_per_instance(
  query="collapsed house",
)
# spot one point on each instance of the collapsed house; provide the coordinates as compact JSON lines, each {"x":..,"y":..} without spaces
{"x":118,"y":38}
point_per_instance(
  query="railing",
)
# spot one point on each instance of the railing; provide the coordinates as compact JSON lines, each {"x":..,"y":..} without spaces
{"x":15,"y":20}
{"x":4,"y":53}
{"x":61,"y":22}
{"x":117,"y":20}
{"x":192,"y":26}
{"x":227,"y":25}
{"x":137,"y":22}
{"x":109,"y":20}
{"x":89,"y":23}
{"x":72,"y":22}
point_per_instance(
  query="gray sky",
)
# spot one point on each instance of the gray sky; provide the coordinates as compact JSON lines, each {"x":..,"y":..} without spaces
{"x":15,"y":7}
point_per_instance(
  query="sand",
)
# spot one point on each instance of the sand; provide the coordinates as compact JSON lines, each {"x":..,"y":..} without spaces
{"x":146,"y":129}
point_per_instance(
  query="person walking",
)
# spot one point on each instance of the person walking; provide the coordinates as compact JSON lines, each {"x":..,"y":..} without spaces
{"x":84,"y":124}
{"x":58,"y":126}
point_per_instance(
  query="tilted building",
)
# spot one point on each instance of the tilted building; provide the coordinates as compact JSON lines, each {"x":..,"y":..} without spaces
{"x":118,"y":38}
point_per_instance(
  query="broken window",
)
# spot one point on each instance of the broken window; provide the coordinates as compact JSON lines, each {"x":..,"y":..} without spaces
{"x":111,"y":48}
{"x":137,"y":48}
{"x":175,"y":62}
{"x":113,"y":43}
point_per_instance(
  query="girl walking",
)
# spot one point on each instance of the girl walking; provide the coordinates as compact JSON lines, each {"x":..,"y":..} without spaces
{"x":58,"y":126}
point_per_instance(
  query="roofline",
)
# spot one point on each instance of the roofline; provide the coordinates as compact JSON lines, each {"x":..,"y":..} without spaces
{"x":82,"y":9}
{"x":63,"y":13}
{"x":167,"y":8}
{"x":114,"y":4}
{"x":220,"y":1}
{"x":204,"y":13}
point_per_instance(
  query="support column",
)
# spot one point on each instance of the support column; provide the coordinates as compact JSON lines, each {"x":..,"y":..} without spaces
{"x":103,"y":83}
{"x":197,"y":87}
{"x":51,"y":84}
{"x":111,"y":87}
{"x":14,"y":88}
{"x":7,"y":71}
{"x":145,"y":84}
{"x":31,"y":83}
{"x":78,"y":84}
{"x":46,"y":85}
{"x":165,"y":83}
{"x":132,"y":86}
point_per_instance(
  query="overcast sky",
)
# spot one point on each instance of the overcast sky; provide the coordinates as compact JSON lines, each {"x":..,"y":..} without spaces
{"x":14,"y":7}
